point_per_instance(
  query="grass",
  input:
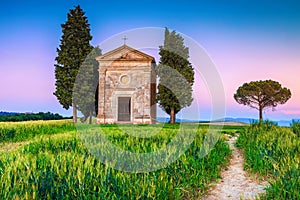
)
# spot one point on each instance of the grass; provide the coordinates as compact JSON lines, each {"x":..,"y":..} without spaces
{"x":274,"y":152}
{"x":60,"y":166}
{"x":22,"y":131}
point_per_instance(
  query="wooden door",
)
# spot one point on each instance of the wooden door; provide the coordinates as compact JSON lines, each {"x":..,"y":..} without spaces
{"x":124,"y":108}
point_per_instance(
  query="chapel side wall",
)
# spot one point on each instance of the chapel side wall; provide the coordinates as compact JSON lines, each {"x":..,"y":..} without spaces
{"x":153,"y":94}
{"x":141,"y":100}
{"x":101,"y":95}
{"x":109,"y":106}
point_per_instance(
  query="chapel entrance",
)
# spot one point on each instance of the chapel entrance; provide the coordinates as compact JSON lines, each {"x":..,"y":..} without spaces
{"x":124,"y":108}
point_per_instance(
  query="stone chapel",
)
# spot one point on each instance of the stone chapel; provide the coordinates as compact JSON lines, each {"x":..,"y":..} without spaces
{"x":127,"y":87}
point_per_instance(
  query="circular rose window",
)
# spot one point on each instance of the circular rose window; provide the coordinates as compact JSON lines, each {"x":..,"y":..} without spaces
{"x":124,"y":79}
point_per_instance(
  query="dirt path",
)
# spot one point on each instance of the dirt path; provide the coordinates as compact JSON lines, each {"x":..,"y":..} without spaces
{"x":235,"y":183}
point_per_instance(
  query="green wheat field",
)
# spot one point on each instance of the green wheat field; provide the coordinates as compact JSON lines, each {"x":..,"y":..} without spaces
{"x":48,"y":160}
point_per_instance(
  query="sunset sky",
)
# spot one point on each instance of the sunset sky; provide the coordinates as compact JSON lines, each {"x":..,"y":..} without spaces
{"x":246,"y":40}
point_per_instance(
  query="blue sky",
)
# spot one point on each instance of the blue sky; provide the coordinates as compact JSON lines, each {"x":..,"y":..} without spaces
{"x":247,"y":40}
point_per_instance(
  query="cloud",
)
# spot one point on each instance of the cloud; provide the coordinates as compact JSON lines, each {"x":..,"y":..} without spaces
{"x":291,"y":112}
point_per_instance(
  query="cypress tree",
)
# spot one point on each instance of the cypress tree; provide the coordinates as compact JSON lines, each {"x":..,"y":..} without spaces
{"x":85,"y":88}
{"x":175,"y":55}
{"x":72,"y":51}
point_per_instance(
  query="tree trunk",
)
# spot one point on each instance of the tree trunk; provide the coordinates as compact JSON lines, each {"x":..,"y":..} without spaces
{"x":260,"y":115}
{"x":74,"y":113}
{"x":172,"y":116}
{"x":90,"y":120}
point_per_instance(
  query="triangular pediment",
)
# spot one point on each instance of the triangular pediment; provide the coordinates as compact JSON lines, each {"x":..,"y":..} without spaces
{"x":125,"y":53}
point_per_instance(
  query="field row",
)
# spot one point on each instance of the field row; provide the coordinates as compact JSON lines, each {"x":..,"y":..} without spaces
{"x":64,"y":167}
{"x":274,"y":152}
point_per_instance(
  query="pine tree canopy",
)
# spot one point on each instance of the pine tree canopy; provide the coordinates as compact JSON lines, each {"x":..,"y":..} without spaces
{"x":262,"y":94}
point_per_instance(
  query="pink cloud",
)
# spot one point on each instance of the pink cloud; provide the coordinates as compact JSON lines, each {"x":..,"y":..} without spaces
{"x":291,"y":112}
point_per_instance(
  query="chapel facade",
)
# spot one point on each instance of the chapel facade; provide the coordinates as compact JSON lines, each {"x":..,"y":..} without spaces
{"x":127,"y":87}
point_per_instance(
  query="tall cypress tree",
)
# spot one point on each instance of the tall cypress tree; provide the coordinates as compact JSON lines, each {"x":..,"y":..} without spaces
{"x":74,"y":47}
{"x":175,"y":55}
{"x":85,"y":88}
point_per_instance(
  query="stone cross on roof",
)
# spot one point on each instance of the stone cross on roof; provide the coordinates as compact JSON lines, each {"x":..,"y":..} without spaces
{"x":125,"y":38}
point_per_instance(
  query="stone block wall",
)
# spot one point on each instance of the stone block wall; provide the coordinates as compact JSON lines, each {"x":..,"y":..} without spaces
{"x":127,"y":76}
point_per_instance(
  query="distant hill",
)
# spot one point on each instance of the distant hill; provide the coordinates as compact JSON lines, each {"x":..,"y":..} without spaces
{"x":243,"y":120}
{"x":286,"y":122}
{"x":8,"y":113}
{"x":167,"y":119}
{"x":250,"y":120}
{"x":230,"y":119}
{"x":16,"y":117}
